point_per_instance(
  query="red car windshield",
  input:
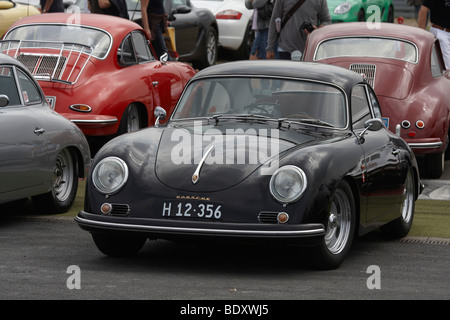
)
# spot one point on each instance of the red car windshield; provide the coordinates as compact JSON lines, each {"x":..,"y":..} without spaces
{"x":97,"y":39}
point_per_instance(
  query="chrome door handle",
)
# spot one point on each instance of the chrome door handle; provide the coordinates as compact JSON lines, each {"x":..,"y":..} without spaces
{"x":39,"y":131}
{"x":395,"y":152}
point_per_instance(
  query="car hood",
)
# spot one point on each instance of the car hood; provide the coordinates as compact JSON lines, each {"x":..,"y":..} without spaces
{"x":235,"y":152}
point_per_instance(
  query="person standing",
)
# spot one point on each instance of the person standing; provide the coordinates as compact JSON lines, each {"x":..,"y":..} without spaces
{"x":439,"y":11}
{"x":291,"y":37}
{"x":261,"y":27}
{"x":154,"y":22}
{"x":52,"y":6}
{"x":116,"y":8}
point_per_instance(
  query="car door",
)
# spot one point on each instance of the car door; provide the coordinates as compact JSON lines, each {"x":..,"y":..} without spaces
{"x":22,"y":142}
{"x":183,"y":18}
{"x":161,"y":80}
{"x":382,"y":170}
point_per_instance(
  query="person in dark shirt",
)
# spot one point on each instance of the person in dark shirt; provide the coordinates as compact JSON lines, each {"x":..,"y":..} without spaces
{"x":154,"y":22}
{"x":52,"y":6}
{"x":439,"y":11}
{"x":111,"y":7}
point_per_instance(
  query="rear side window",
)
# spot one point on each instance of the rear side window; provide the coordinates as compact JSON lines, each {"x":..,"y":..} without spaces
{"x":29,"y":91}
{"x":8,"y":85}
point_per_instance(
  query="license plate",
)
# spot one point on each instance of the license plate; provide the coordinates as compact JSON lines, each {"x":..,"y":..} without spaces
{"x":174,"y":209}
{"x":51,"y":101}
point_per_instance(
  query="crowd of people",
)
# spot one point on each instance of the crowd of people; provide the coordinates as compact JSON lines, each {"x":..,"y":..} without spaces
{"x":154,"y":17}
{"x":281,"y":26}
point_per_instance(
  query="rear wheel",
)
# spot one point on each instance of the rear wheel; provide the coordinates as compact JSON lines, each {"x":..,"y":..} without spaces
{"x":434,"y":164}
{"x":131,"y":119}
{"x":118,"y":246}
{"x":400,"y":227}
{"x":243,"y":52}
{"x":340,"y":228}
{"x":211,"y":50}
{"x":64,"y":185}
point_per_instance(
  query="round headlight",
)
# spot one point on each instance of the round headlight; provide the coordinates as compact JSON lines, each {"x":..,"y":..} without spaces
{"x":109,"y":175}
{"x":287,"y":184}
{"x":343,"y":8}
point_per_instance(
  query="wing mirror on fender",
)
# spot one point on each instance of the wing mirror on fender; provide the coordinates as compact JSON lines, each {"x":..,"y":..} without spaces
{"x":160,"y":114}
{"x":372,"y":125}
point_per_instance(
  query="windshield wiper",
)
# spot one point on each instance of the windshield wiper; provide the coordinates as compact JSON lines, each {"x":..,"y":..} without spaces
{"x":315,"y":121}
{"x":237,"y":116}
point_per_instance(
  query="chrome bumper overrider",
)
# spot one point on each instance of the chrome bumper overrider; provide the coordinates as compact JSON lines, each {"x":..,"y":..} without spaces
{"x":251,"y":230}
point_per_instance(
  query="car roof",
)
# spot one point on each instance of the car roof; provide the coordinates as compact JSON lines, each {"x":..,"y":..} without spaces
{"x":100,"y":21}
{"x":386,"y":30}
{"x":341,"y":77}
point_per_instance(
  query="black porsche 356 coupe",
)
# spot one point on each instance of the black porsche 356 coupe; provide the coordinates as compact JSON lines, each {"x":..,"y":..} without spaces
{"x":263,"y":151}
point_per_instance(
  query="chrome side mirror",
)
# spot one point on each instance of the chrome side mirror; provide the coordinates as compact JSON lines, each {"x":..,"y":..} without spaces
{"x":372,"y":125}
{"x":4,"y":100}
{"x":164,"y":57}
{"x":160,"y":114}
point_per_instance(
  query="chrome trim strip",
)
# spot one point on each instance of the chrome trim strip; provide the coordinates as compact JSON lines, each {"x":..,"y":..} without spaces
{"x":425,"y":145}
{"x":196,"y":175}
{"x":93,"y":121}
{"x":231,"y":232}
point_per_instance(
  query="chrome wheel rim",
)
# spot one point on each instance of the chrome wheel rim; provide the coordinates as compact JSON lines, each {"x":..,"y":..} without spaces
{"x":211,"y":48}
{"x":339,"y":223}
{"x":408,"y":196}
{"x":133,"y":121}
{"x":63,"y":176}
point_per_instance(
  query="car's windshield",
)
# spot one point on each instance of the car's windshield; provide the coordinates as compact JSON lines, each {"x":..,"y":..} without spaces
{"x":272,"y":98}
{"x":367,"y":47}
{"x":99,"y":40}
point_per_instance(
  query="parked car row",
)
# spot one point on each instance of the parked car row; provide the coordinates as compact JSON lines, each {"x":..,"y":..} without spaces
{"x":272,"y":151}
{"x":97,"y":71}
{"x":405,"y":67}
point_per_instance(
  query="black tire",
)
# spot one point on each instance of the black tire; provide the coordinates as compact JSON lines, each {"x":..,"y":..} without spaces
{"x":118,"y":246}
{"x":64,"y":188}
{"x":211,"y":50}
{"x":132,"y":120}
{"x":390,"y":17}
{"x":340,"y":229}
{"x":434,"y":165}
{"x":361,"y":15}
{"x":400,"y":227}
{"x":243,"y":52}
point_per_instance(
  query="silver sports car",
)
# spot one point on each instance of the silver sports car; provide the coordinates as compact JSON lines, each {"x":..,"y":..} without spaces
{"x":42,"y":154}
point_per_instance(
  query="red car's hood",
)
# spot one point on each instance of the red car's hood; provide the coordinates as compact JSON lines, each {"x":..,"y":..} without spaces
{"x":234,"y":157}
{"x":391,"y":79}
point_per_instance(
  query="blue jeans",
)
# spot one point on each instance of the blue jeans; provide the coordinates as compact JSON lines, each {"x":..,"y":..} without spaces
{"x":260,"y":43}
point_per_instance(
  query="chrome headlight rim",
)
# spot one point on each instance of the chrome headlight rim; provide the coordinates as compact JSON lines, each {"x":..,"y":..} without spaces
{"x":302,"y":180}
{"x":101,"y":187}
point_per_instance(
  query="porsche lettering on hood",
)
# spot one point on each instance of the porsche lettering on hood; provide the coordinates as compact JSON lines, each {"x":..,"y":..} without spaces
{"x":199,"y":157}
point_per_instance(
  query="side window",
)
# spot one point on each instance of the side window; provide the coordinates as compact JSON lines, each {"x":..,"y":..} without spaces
{"x":375,"y":105}
{"x":134,"y":50}
{"x":142,"y":49}
{"x":30,"y":93}
{"x":126,"y":55}
{"x":8,"y":85}
{"x":437,"y":64}
{"x":360,"y":107}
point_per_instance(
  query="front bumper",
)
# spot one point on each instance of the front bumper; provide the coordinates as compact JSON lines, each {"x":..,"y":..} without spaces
{"x":168,"y":229}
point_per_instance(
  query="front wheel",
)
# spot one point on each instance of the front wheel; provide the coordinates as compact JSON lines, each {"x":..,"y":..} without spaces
{"x":340,"y":228}
{"x":64,"y":186}
{"x":118,"y":246}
